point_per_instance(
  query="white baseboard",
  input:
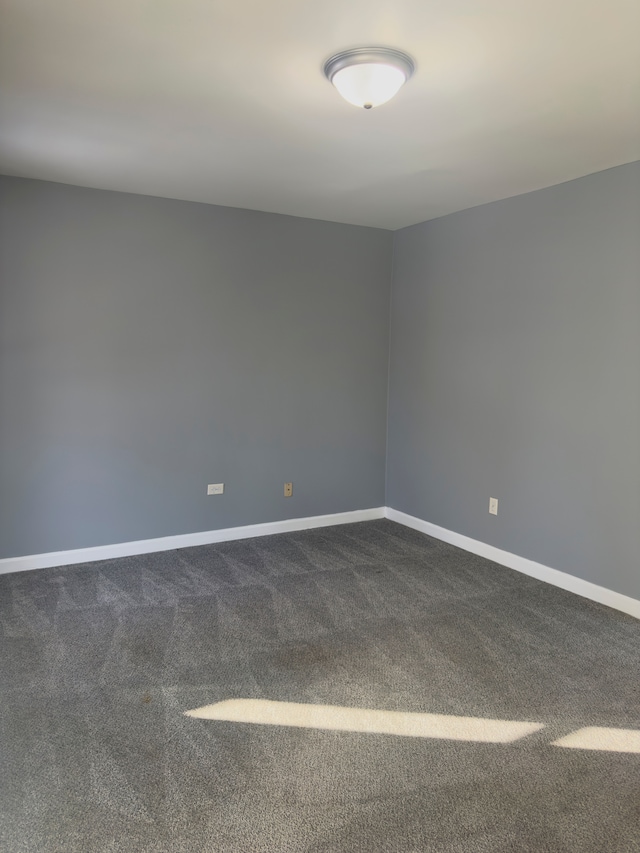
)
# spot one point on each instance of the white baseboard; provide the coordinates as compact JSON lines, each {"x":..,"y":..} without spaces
{"x":528,"y":567}
{"x":186,"y":540}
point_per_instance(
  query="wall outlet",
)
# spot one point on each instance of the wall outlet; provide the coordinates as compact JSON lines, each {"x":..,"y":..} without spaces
{"x":493,"y":506}
{"x":215,"y":488}
{"x":288,"y":490}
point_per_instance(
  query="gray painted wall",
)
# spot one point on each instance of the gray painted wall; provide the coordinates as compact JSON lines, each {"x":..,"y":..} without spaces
{"x":515,"y":373}
{"x":149,"y":347}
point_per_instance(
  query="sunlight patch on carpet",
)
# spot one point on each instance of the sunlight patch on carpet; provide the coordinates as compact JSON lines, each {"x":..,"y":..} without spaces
{"x":334,"y":717}
{"x":602,"y":738}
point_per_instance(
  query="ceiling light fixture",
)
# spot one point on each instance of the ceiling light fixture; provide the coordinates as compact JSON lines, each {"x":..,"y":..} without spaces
{"x":368,"y":76}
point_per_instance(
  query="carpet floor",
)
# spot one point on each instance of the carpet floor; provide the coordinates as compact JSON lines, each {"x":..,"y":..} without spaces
{"x":100,"y":662}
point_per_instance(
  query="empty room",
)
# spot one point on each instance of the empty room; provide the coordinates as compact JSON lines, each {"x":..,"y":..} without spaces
{"x":319,"y":426}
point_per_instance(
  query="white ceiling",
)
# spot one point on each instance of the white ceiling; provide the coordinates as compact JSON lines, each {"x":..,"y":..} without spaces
{"x":224,"y":101}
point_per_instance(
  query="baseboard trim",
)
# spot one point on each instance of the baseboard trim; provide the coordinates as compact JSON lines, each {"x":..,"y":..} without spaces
{"x":555,"y":577}
{"x":185,"y":540}
{"x":586,"y":589}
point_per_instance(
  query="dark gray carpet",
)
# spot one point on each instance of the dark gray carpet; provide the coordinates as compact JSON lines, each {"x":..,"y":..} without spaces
{"x":99,"y":662}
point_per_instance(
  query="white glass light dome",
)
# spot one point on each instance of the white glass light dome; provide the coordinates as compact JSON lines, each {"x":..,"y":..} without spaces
{"x":368,"y":77}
